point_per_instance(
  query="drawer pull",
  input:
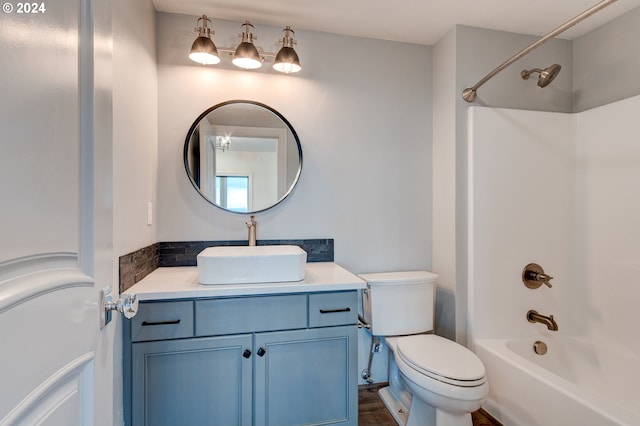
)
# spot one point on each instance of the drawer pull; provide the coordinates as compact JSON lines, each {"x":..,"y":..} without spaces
{"x":333,"y":311}
{"x":171,"y":322}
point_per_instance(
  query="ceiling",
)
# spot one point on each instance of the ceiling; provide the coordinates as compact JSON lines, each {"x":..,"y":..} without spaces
{"x":412,"y":21}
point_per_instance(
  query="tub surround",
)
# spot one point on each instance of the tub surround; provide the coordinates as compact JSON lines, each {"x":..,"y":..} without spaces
{"x":182,"y":282}
{"x":582,"y":226}
{"x":135,"y":266}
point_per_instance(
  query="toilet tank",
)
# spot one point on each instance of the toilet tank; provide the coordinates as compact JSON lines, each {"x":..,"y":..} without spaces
{"x":399,"y":303}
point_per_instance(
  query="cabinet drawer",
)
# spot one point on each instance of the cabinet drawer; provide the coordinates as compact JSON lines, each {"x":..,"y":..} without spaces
{"x":162,"y":320}
{"x":251,"y":314}
{"x":339,"y":308}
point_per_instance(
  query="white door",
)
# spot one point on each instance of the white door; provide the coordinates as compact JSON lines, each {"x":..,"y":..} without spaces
{"x":55,"y":212}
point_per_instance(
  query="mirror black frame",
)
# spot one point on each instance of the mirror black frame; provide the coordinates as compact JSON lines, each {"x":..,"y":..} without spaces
{"x":195,"y":125}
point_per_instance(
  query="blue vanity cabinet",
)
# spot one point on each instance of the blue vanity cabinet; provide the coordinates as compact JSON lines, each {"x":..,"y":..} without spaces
{"x":309,"y":376}
{"x":278,"y":360}
{"x":172,"y":378}
{"x":306,"y":377}
{"x":192,"y":382}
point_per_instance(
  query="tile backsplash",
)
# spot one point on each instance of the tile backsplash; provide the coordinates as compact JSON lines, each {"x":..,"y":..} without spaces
{"x":136,"y":265}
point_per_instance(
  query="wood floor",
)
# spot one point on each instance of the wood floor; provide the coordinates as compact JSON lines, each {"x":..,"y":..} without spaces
{"x":372,"y":412}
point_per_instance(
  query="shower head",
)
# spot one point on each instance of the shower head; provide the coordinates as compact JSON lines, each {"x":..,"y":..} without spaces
{"x":546,"y":75}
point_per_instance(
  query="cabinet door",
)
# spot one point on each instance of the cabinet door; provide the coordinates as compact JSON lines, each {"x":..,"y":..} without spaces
{"x":196,"y":382}
{"x":306,"y":377}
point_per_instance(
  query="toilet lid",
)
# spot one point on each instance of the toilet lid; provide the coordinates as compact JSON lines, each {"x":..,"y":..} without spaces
{"x":437,"y":356}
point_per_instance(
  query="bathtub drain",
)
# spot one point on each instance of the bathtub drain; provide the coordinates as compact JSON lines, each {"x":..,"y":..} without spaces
{"x":540,"y":347}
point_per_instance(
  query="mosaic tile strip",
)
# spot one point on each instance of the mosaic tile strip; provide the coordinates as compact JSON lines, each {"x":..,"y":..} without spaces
{"x":140,"y":263}
{"x":184,"y":253}
{"x":136,"y":265}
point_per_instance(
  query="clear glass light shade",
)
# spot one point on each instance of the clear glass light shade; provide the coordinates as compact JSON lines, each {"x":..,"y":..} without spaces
{"x":287,"y":61}
{"x":247,"y":56}
{"x":203,"y":51}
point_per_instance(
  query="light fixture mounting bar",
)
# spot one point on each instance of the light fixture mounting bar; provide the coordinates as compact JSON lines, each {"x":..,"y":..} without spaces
{"x":263,"y":54}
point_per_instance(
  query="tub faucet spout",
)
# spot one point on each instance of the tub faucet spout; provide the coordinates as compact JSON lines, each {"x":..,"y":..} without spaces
{"x":534,"y":316}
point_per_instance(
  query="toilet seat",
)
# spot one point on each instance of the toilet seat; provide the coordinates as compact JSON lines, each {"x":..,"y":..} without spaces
{"x":441,"y":359}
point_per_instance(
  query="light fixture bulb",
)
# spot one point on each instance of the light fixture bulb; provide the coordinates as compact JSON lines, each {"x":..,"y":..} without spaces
{"x":287,"y":60}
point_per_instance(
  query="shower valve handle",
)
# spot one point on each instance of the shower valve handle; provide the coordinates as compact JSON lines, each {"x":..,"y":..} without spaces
{"x":533,"y":276}
{"x":540,"y":277}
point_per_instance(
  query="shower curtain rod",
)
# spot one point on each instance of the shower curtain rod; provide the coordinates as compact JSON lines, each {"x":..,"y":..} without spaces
{"x":469,"y":94}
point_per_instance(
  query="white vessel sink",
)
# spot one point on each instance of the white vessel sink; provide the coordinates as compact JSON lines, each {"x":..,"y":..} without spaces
{"x":251,"y":264}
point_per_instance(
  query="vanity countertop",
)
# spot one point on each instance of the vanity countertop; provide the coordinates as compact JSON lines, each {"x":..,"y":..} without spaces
{"x":181,"y":282}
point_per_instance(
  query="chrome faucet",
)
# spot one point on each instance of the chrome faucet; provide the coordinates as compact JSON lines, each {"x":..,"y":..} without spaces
{"x":251,"y":225}
{"x":534,"y":316}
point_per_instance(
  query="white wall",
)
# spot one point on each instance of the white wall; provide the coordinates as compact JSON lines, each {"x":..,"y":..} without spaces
{"x":135,"y":124}
{"x":135,"y":147}
{"x":444,"y":183}
{"x":606,"y":63}
{"x":365,"y":131}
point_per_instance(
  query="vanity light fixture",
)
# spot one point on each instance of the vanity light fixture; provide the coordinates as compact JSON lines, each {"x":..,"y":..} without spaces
{"x":203,"y":51}
{"x":246,"y":55}
{"x":287,"y":59}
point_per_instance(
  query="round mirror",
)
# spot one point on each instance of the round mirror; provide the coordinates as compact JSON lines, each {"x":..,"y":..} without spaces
{"x":242,"y":156}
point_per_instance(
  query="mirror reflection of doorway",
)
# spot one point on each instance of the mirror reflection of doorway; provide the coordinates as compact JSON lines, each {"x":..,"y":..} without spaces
{"x":234,"y":192}
{"x":256,"y":157}
{"x":236,"y":150}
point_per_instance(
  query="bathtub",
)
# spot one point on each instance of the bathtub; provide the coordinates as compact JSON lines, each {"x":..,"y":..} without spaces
{"x":576,"y":383}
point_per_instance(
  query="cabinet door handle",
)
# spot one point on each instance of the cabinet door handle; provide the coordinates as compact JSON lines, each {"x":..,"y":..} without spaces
{"x":333,"y":311}
{"x":246,"y":353}
{"x":170,"y":322}
{"x":261,"y":352}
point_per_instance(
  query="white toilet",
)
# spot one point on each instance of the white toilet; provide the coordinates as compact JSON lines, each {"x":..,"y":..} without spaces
{"x":433,"y":381}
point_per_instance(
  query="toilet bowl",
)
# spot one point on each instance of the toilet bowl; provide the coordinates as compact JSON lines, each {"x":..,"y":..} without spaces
{"x":446,"y":380}
{"x":432,"y":380}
